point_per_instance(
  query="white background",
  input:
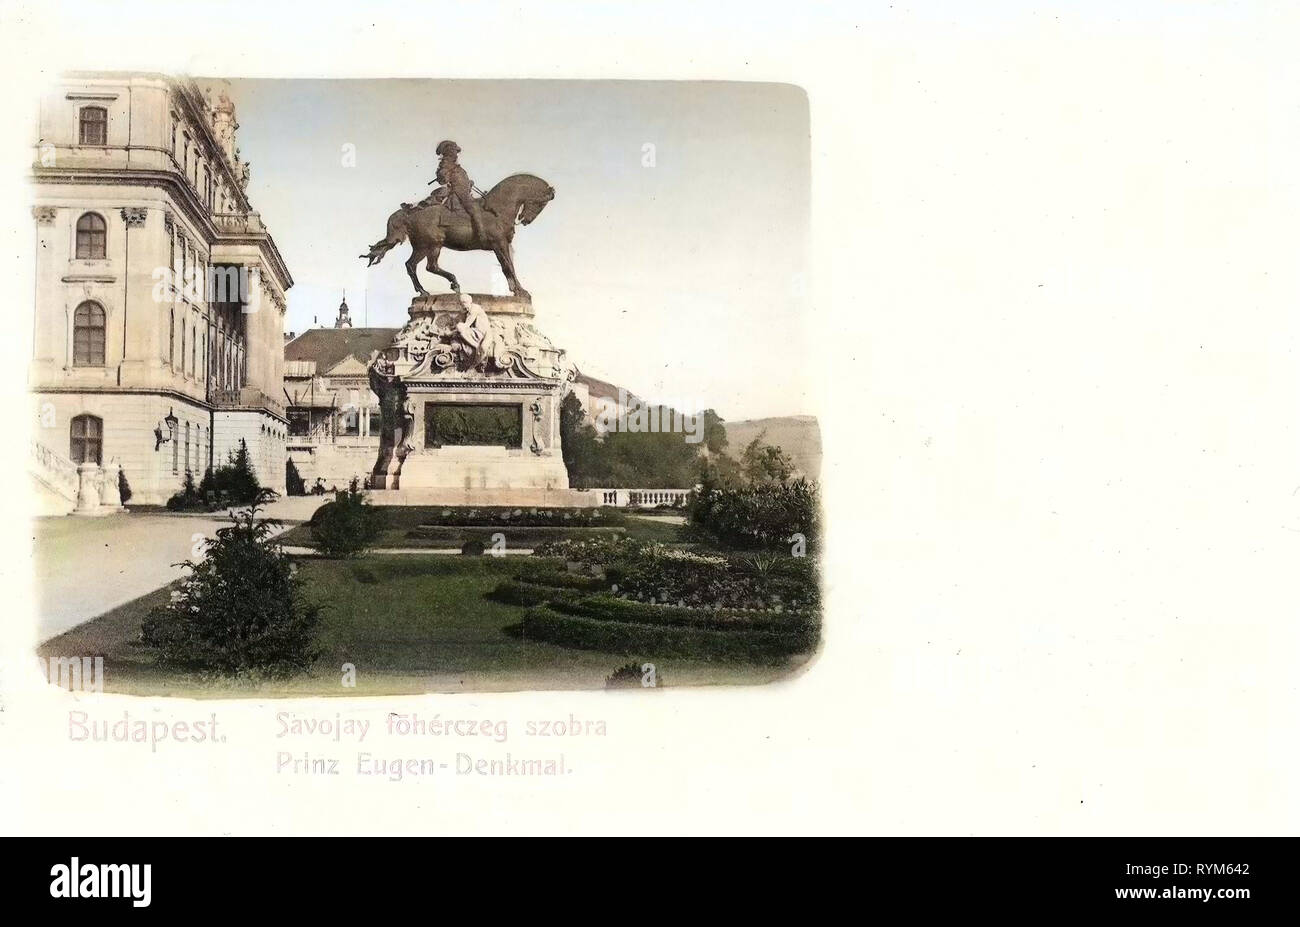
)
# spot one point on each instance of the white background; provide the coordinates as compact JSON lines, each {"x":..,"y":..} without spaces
{"x":1054,"y":333}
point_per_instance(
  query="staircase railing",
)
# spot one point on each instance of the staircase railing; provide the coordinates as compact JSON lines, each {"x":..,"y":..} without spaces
{"x":55,"y":470}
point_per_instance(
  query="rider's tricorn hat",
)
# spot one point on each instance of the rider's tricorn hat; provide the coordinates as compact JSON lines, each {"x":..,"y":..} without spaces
{"x":447,"y":146}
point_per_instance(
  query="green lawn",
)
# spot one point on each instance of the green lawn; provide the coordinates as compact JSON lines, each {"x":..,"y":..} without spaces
{"x":409,"y":623}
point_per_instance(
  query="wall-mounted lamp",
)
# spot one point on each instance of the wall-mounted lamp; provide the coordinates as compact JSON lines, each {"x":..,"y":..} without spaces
{"x":161,"y":437}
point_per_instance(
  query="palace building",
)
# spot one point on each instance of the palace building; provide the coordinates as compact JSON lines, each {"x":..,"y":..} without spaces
{"x":159,"y":294}
{"x":334,"y":417}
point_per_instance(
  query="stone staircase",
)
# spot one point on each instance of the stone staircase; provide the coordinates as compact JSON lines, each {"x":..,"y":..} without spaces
{"x":61,"y":487}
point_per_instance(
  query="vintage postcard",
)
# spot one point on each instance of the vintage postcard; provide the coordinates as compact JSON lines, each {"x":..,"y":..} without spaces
{"x":369,"y":410}
{"x":650,"y":419}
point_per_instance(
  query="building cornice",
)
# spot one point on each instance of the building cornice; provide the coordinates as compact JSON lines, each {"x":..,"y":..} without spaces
{"x":183,"y":195}
{"x":155,"y":391}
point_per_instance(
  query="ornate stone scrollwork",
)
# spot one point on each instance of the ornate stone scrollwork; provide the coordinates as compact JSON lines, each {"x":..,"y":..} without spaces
{"x":536,"y":409}
{"x":134,"y":216}
{"x":45,"y":215}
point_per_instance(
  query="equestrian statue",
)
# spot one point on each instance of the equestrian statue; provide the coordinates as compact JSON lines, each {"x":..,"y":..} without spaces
{"x":451,"y":217}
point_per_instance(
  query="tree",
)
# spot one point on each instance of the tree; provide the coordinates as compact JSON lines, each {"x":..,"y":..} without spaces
{"x":580,"y":446}
{"x":765,"y":464}
{"x":294,"y":485}
{"x":240,"y":609}
{"x":348,"y":525}
{"x":236,"y":480}
{"x":715,"y":432}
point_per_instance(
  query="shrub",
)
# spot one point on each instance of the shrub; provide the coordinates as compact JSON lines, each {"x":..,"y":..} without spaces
{"x":240,"y":610}
{"x":294,"y":485}
{"x":188,"y":499}
{"x":629,"y":676}
{"x":757,"y":517}
{"x":123,"y":487}
{"x":233,"y":483}
{"x":346,"y":526}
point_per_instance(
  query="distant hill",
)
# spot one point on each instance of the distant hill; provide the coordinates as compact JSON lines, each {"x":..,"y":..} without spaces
{"x":797,"y":435}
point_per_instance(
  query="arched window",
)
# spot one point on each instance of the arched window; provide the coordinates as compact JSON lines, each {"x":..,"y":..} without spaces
{"x":88,"y":335}
{"x":90,"y":237}
{"x":87,"y":439}
{"x":94,"y":126}
{"x":171,"y":340}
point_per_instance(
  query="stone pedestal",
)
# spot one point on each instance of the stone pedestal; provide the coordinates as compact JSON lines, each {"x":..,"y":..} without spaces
{"x":88,"y":489}
{"x":471,"y":400}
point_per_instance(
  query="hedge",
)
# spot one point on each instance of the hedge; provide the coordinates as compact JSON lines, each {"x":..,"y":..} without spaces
{"x":483,"y":516}
{"x":609,"y":608}
{"x":584,"y":633}
{"x":519,"y":536}
{"x":558,"y":580}
{"x":513,"y":592}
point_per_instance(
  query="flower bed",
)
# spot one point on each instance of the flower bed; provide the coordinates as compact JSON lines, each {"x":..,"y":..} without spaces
{"x":792,"y":586}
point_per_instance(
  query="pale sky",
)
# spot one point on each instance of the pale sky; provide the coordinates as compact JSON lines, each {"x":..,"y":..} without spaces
{"x":681,"y":281}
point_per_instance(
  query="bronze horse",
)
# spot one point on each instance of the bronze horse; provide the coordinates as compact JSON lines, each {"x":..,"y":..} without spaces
{"x":518,"y":198}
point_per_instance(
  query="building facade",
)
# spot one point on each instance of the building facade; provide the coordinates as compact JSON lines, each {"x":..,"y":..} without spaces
{"x":333,"y":416}
{"x":159,"y":295}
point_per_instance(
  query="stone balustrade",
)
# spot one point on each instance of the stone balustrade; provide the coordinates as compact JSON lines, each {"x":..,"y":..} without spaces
{"x":248,"y":397}
{"x":642,"y":498}
{"x":238,"y":223}
{"x":92,"y":489}
{"x":55,"y":470}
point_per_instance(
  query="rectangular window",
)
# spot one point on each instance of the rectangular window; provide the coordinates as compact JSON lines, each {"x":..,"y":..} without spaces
{"x":187,"y":446}
{"x":175,"y":455}
{"x":87,"y":439}
{"x":493,"y":425}
{"x":94,"y":126}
